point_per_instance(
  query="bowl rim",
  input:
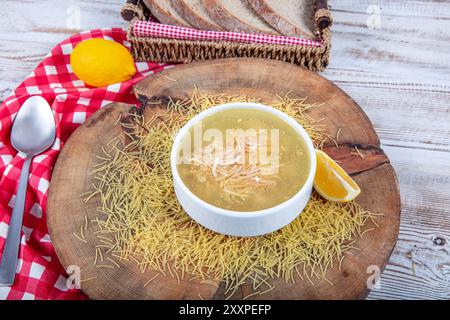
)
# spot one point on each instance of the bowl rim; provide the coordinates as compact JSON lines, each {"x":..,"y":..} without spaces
{"x":244,"y":105}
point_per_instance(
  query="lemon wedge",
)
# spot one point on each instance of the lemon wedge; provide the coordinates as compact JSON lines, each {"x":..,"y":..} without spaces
{"x":332,"y":182}
{"x":99,"y":62}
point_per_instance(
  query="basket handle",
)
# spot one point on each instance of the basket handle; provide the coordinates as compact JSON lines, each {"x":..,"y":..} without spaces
{"x":133,"y":9}
{"x":323,"y":16}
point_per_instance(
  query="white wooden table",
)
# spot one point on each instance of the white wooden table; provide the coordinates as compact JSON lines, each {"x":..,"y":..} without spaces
{"x":395,"y":63}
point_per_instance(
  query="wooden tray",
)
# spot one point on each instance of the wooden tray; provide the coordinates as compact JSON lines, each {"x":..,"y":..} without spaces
{"x":252,"y":77}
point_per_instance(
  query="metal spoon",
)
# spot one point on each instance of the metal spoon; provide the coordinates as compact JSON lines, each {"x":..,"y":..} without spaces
{"x":33,"y":132}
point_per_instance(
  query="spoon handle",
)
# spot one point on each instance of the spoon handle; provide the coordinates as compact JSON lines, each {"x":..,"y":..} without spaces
{"x":10,"y":257}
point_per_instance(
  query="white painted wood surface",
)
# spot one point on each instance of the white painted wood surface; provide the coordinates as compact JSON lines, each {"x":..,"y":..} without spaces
{"x":399,"y":74}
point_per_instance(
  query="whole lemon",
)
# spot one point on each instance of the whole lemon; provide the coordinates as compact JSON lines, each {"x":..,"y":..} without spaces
{"x":99,"y":62}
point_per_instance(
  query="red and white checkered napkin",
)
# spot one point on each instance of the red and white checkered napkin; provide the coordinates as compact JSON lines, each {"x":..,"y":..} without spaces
{"x":40,"y":274}
{"x":159,"y":30}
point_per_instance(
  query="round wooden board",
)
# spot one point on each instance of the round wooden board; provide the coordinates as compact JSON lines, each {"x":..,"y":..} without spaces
{"x":252,"y":77}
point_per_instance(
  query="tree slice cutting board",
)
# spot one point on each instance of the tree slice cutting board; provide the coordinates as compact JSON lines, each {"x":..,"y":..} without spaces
{"x":255,"y":78}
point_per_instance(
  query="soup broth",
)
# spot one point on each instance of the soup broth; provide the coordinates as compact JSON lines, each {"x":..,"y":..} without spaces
{"x":243,"y":160}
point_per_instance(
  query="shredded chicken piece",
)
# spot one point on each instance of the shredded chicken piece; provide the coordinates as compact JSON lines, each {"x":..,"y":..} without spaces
{"x":229,"y":168}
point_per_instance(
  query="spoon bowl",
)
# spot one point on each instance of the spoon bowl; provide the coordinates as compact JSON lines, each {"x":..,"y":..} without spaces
{"x":33,"y":129}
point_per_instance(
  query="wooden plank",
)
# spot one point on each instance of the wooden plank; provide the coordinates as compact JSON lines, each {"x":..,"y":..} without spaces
{"x":391,"y":72}
{"x":400,"y":76}
{"x":424,"y":179}
{"x":406,"y":117}
{"x":419,"y":267}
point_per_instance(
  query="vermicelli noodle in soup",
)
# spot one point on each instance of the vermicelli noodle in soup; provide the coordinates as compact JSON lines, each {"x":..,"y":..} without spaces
{"x":243,"y":160}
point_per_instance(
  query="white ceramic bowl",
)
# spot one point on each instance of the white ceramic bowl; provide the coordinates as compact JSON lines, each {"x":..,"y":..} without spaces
{"x":249,"y":223}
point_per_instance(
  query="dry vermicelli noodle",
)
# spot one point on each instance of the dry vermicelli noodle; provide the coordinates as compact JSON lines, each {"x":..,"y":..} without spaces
{"x":141,"y":219}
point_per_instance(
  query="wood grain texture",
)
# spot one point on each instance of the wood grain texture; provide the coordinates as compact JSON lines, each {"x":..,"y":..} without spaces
{"x":399,"y":74}
{"x":375,"y":176}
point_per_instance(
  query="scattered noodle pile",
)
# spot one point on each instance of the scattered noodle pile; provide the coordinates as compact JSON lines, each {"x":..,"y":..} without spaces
{"x":140,"y":218}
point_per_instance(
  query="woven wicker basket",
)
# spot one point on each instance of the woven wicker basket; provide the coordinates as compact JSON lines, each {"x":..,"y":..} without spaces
{"x":315,"y":58}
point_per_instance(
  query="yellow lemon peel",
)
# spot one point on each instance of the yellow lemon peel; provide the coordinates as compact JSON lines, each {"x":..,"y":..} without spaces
{"x":99,"y":62}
